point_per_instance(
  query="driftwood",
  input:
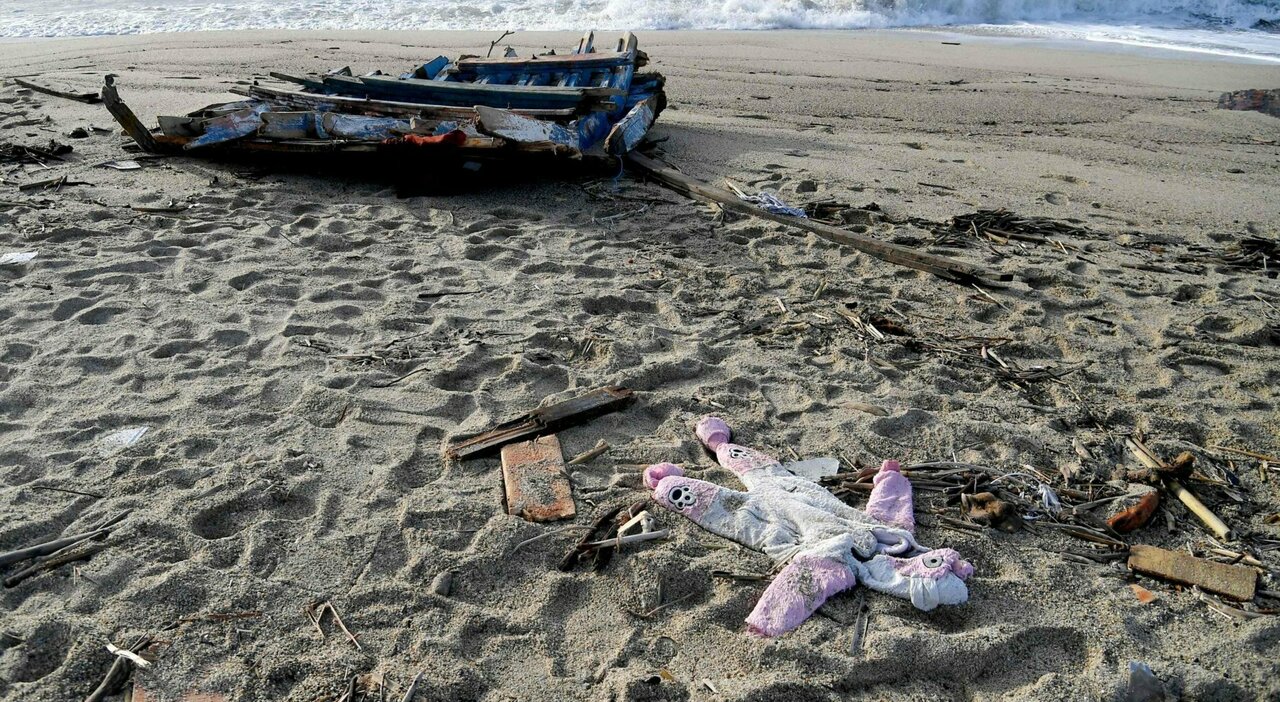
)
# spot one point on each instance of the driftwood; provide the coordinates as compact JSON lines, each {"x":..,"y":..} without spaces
{"x":117,"y":674}
{"x":543,"y":420}
{"x":86,"y":98}
{"x":930,"y":263}
{"x":52,"y":562}
{"x":49,"y":546}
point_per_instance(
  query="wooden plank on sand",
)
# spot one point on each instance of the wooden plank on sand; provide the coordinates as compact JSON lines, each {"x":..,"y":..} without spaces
{"x":893,"y":253}
{"x":543,"y":420}
{"x":1236,"y":582}
{"x":536,"y":484}
{"x":86,"y":98}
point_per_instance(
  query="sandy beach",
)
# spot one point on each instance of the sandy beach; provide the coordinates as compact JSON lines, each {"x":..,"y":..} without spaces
{"x":262,"y":336}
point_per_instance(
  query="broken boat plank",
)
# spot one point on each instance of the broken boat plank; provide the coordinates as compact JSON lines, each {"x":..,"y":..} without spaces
{"x":537,"y":486}
{"x":543,"y":420}
{"x":86,"y":98}
{"x":389,"y":108}
{"x":630,"y":130}
{"x":1236,"y":582}
{"x":460,"y":94}
{"x":521,"y":129}
{"x":893,"y":253}
{"x":122,"y":114}
{"x":229,"y":127}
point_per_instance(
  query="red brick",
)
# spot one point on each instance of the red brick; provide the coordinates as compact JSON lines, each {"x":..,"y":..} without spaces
{"x":538,"y":488}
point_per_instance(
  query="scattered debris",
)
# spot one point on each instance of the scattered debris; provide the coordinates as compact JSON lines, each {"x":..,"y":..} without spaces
{"x":1250,"y":253}
{"x":1250,"y":454}
{"x":861,"y":625}
{"x":1265,"y":101}
{"x":1144,"y":595}
{"x":315,"y":614}
{"x":590,"y":454}
{"x":893,"y":253}
{"x":125,"y":653}
{"x":986,"y":509}
{"x":602,"y":531}
{"x":537,"y":486}
{"x":542,"y":421}
{"x":1002,"y":226}
{"x":413,"y":687}
{"x":15,"y":153}
{"x":51,"y":184}
{"x":1236,"y":582}
{"x":86,"y":98}
{"x":118,"y":674}
{"x":53,"y":553}
{"x":814,"y":469}
{"x":122,"y":165}
{"x":17,"y":258}
{"x":1133,"y":510}
{"x":171,"y":208}
{"x":768,"y":202}
{"x":1171,"y":474}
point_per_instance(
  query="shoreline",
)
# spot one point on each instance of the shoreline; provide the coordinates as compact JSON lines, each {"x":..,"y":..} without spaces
{"x":1012,"y":34}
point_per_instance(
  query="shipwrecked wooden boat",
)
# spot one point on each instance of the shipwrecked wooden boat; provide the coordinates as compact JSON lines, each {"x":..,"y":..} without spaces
{"x":586,"y":105}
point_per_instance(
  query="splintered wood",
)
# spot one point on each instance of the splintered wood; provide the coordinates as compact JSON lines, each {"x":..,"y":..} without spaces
{"x":1236,"y":582}
{"x":537,"y":486}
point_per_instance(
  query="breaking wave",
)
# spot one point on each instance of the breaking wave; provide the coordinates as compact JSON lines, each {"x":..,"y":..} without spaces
{"x":1231,"y":27}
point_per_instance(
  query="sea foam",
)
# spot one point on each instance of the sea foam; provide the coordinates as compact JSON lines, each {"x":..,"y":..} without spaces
{"x":1220,"y":26}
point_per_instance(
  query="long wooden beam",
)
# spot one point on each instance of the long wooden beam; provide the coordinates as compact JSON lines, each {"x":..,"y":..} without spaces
{"x":942,"y":266}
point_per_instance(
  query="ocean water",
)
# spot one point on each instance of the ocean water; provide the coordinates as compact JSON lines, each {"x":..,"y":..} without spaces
{"x":1232,"y":28}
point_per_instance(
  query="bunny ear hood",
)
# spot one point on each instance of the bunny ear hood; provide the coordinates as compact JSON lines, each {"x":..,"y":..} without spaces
{"x":927,"y":580}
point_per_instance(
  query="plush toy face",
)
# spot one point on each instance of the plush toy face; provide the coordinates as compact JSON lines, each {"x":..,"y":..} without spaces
{"x":690,"y":497}
{"x":930,"y":579}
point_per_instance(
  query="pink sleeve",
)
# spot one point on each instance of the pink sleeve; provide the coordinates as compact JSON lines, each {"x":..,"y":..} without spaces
{"x":891,"y":500}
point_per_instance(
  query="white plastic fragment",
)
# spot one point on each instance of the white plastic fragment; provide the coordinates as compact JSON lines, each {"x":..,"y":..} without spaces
{"x":814,"y":468}
{"x":125,"y":437}
{"x":17,"y":257}
{"x":123,"y":165}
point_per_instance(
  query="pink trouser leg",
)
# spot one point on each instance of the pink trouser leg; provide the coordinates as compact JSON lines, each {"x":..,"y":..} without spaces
{"x":797,"y":592}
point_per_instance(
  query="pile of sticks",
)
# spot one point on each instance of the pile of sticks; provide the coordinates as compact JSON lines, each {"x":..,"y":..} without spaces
{"x":53,"y":553}
{"x":17,"y":153}
{"x":977,"y":353}
{"x":1250,"y":253}
{"x":1002,"y":226}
